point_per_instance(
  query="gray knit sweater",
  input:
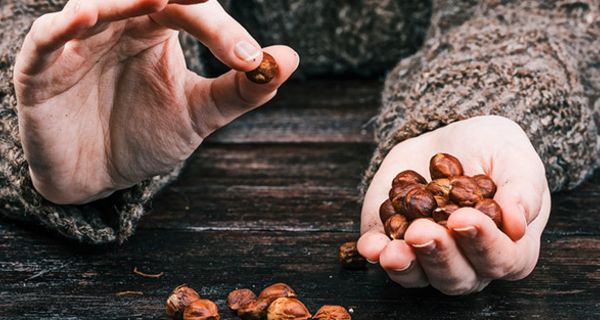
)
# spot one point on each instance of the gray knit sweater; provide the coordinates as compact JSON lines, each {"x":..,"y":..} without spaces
{"x":537,"y":63}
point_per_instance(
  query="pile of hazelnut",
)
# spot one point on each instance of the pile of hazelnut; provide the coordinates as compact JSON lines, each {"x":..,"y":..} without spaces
{"x":411,"y":197}
{"x":276,"y":302}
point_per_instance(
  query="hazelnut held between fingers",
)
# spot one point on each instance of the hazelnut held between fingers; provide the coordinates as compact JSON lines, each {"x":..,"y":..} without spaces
{"x":350,"y":258}
{"x":332,"y":313}
{"x":287,"y":309}
{"x":265,"y":72}
{"x":179,"y":299}
{"x":202,"y":309}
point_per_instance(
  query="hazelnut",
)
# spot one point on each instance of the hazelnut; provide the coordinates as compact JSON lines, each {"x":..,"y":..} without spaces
{"x":419,"y":203}
{"x":287,"y":309}
{"x":441,"y":201}
{"x":444,"y":212}
{"x":180,"y":297}
{"x":202,"y":309}
{"x":265,"y":72}
{"x":486,"y":185}
{"x":350,"y":258}
{"x":332,"y":313}
{"x":491,"y":209}
{"x":399,"y":192}
{"x":396,"y":226}
{"x":443,"y":165}
{"x":409,"y":176}
{"x":440,"y":188}
{"x":465,"y":191}
{"x":240,"y":298}
{"x":255,"y":310}
{"x":386,"y":210}
{"x":277,"y":290}
{"x":443,"y":223}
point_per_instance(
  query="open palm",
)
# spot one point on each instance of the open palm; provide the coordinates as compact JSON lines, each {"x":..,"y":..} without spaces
{"x":106,"y":100}
{"x":472,"y":251}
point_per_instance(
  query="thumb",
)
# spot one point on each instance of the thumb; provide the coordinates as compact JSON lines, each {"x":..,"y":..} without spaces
{"x":213,"y":103}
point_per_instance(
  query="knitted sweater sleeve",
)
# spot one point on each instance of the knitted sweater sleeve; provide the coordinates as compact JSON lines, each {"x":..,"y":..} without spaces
{"x":109,"y":220}
{"x":534,"y":62}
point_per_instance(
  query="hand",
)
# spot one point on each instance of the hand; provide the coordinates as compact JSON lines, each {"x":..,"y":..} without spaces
{"x":105,"y":99}
{"x":469,"y":254}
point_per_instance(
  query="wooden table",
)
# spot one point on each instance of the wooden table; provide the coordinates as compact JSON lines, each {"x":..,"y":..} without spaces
{"x":269,"y":199}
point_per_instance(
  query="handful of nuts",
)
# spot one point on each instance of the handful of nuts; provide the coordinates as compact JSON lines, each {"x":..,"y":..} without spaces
{"x":411,"y":197}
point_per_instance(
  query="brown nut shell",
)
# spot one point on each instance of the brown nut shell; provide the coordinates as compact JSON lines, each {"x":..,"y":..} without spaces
{"x":277,"y":290}
{"x":486,"y":185}
{"x":408,"y":176}
{"x":386,"y":210}
{"x":440,"y":187}
{"x":265,"y":72}
{"x":180,"y":297}
{"x":399,"y":192}
{"x":443,"y":165}
{"x":287,"y":309}
{"x":202,"y":309}
{"x":419,"y":203}
{"x":350,"y":258}
{"x":255,"y":310}
{"x":465,"y":191}
{"x":240,"y":298}
{"x":444,"y":212}
{"x":491,"y":209}
{"x":396,"y":226}
{"x":329,"y":312}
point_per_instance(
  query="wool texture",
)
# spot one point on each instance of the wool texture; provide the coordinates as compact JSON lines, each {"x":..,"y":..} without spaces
{"x":536,"y":63}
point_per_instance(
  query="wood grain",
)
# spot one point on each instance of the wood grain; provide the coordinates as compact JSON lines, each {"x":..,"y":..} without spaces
{"x":269,"y":199}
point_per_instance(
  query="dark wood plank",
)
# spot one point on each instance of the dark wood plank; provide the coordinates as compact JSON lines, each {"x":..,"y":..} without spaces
{"x":82,"y":283}
{"x":266,"y":187}
{"x":317,"y":111}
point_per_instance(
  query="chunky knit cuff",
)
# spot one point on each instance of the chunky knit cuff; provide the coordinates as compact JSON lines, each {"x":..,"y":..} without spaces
{"x":535,"y":63}
{"x":109,"y":220}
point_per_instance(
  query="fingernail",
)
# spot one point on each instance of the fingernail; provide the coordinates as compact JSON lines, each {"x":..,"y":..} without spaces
{"x":371,"y":262}
{"x":426,"y":247}
{"x":246,"y":51}
{"x":403,"y":269}
{"x":469,"y":232}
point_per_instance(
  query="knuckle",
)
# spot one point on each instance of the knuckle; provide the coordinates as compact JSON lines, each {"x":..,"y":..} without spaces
{"x":457,"y":289}
{"x":153,"y":5}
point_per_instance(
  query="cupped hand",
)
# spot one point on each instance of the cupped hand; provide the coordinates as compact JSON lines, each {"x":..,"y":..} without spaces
{"x":105,"y":99}
{"x":472,"y":251}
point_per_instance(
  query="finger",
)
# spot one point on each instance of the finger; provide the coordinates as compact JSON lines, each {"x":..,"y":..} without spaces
{"x":439,"y":256}
{"x":217,"y":30}
{"x":491,"y":252}
{"x":520,"y":188}
{"x":214,"y":103}
{"x":400,"y":263}
{"x":371,"y":244}
{"x":395,"y":161}
{"x":50,"y":32}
